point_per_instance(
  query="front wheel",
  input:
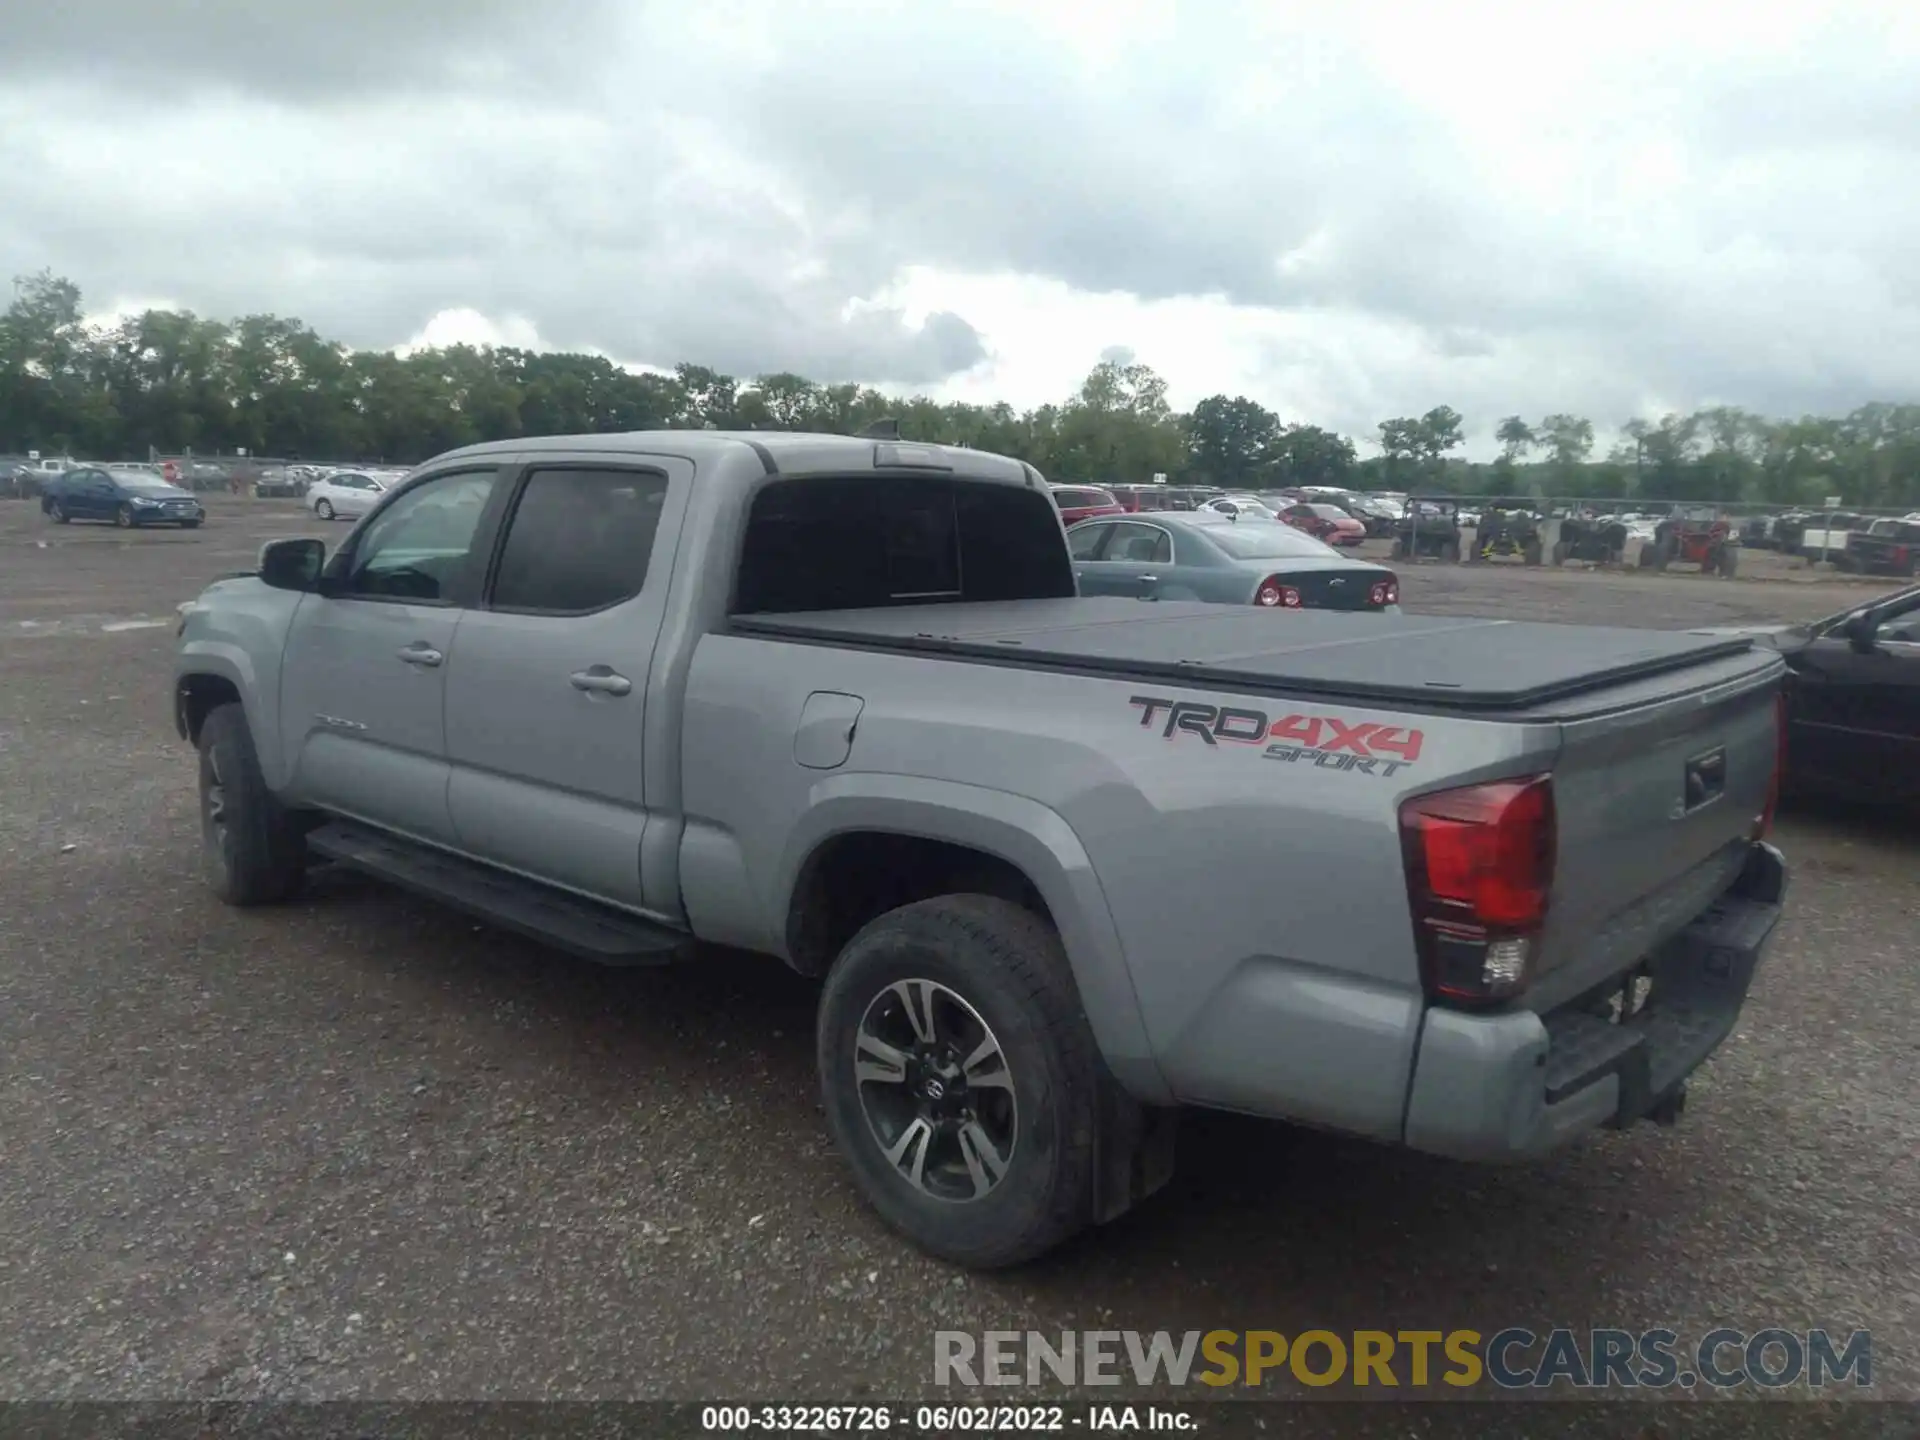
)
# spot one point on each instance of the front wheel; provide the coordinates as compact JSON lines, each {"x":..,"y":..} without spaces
{"x":123,"y":517}
{"x":960,"y":1079}
{"x":324,"y":509}
{"x":254,"y":849}
{"x":58,"y":512}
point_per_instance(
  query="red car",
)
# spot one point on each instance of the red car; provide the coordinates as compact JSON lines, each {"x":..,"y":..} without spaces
{"x":1325,"y":522}
{"x":1080,"y":502}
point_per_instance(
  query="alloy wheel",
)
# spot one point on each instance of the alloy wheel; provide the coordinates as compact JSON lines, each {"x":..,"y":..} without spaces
{"x":936,"y":1090}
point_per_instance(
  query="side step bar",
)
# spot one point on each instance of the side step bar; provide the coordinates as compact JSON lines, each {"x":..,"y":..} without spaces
{"x":567,"y":922}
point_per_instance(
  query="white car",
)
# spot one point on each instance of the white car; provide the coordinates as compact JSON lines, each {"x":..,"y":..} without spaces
{"x":1249,"y":505}
{"x":345,"y":494}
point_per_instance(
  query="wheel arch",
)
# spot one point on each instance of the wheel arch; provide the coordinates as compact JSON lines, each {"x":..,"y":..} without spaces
{"x":941,"y":837}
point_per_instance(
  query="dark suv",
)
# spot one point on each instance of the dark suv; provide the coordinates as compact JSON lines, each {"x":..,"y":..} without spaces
{"x":127,"y":499}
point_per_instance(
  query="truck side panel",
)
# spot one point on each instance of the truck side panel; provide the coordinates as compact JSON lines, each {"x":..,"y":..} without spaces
{"x":1246,"y":849}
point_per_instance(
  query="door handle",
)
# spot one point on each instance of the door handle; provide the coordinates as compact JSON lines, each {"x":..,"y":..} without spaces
{"x":600,"y":680}
{"x":1149,"y":579}
{"x":422,"y":654}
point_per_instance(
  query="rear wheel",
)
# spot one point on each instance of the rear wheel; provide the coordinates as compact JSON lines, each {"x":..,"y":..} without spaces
{"x":1560,"y":553}
{"x":1727,"y":562}
{"x":1531,"y":552}
{"x":960,"y":1079}
{"x":254,"y":849}
{"x":1450,"y":549}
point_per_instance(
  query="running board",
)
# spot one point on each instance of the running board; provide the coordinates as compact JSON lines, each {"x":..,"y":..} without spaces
{"x":582,"y":927}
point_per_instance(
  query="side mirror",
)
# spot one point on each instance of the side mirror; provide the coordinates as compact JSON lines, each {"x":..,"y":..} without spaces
{"x":1859,"y":631}
{"x":292,"y":564}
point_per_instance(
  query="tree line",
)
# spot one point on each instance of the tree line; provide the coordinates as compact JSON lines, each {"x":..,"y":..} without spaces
{"x":165,"y":381}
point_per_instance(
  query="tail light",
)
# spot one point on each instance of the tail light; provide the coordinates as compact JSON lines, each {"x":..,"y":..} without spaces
{"x":1765,"y":824}
{"x":1479,"y":864}
{"x":1385,"y":592}
{"x":1272,"y":592}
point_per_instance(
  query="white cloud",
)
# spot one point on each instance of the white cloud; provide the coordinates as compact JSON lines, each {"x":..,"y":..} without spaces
{"x":1346,"y":212}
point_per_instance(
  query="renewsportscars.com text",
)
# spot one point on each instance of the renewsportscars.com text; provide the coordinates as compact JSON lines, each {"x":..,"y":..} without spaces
{"x":1510,"y":1359}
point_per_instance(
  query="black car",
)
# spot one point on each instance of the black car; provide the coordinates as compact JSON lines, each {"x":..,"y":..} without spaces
{"x":126,"y":499}
{"x":1886,"y":547}
{"x":1853,"y":702}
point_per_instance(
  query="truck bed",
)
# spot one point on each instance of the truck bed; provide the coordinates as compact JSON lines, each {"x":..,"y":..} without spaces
{"x":1417,"y":662}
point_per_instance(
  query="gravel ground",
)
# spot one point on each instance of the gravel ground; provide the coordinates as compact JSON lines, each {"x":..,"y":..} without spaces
{"x":358,"y":1148}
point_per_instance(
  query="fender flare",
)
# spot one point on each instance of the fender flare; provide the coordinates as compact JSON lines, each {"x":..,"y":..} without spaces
{"x":1035,"y":840}
{"x":230,"y":663}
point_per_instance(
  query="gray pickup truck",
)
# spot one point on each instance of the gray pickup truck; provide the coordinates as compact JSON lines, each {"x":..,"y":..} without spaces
{"x":1064,"y":864}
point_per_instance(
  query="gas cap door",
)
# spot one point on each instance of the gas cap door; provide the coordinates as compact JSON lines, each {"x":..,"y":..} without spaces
{"x":825,"y":737}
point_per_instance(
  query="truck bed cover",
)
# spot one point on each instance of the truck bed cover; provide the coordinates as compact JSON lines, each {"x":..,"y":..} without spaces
{"x":1424,"y":662}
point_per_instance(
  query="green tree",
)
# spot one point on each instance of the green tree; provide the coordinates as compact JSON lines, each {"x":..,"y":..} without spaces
{"x":1568,"y":441}
{"x":1516,"y":439}
{"x":1232,"y":441}
{"x":1308,"y":455}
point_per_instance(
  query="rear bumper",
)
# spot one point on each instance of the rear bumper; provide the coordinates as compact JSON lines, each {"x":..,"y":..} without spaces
{"x":1514,"y":1085}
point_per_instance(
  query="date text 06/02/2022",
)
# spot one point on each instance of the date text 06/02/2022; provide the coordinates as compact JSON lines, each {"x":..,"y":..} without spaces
{"x":943,"y":1419}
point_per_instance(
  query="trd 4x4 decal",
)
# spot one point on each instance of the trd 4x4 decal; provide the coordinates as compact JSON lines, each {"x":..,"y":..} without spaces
{"x":1326,"y":742}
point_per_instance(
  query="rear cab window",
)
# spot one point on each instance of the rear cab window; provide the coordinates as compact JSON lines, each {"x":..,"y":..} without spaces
{"x":845,"y":542}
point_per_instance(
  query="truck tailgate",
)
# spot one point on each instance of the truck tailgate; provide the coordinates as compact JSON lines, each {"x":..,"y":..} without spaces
{"x":1657,"y":802}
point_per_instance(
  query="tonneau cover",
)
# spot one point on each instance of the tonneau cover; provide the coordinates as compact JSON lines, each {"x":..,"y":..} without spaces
{"x":1421,"y":661}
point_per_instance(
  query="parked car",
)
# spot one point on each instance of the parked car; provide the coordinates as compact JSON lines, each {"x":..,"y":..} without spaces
{"x":1852,"y":700}
{"x":1250,"y":506}
{"x":344,"y":495}
{"x":1325,"y":522}
{"x":1225,"y":562}
{"x":1077,"y":502}
{"x":837,"y":700}
{"x":126,"y":498}
{"x":1886,"y":547}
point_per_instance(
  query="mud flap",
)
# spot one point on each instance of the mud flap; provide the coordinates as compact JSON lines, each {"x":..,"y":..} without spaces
{"x":1133,"y":1151}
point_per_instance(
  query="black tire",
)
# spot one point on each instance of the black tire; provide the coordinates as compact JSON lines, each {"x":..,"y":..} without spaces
{"x":58,"y":512}
{"x":1560,"y":553}
{"x":1399,"y":549}
{"x":123,"y":517}
{"x":1662,"y":556}
{"x":1531,"y":553}
{"x":254,"y":849}
{"x":189,"y":524}
{"x":1727,"y":562}
{"x":1007,"y":965}
{"x":323,"y":508}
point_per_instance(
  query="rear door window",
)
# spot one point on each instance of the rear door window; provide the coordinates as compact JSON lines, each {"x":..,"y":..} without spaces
{"x":579,"y":540}
{"x":1140,"y":545}
{"x":1085,"y":540}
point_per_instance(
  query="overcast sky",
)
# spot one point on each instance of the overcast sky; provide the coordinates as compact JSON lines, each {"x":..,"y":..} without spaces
{"x":1347,"y":212}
